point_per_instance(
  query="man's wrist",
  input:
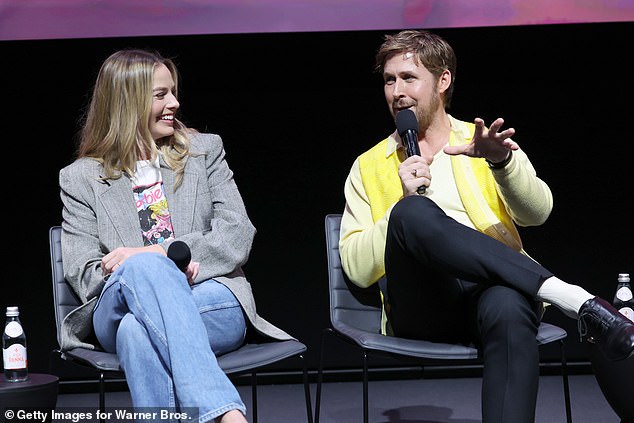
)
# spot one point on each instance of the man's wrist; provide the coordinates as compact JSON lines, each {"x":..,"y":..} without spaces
{"x":502,"y":164}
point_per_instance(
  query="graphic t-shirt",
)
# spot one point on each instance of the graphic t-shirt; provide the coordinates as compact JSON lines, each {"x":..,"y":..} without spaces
{"x":151,"y":204}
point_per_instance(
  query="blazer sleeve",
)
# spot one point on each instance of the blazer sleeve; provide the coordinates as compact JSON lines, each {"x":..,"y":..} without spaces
{"x":81,"y":250}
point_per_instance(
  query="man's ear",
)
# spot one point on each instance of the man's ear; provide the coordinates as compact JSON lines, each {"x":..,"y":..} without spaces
{"x":444,"y":81}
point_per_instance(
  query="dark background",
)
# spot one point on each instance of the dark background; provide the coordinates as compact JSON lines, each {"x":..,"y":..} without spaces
{"x":295,"y":110}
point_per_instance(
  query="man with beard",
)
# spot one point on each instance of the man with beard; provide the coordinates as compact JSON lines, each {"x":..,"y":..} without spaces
{"x":454,"y":263}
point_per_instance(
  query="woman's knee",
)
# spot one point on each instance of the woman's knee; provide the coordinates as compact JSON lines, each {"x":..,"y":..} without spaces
{"x":147,"y":268}
{"x":221,"y":314}
{"x":212,"y":294}
{"x":145,"y":262}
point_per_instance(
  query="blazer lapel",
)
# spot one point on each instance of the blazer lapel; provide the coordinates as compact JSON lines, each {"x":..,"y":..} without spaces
{"x":118,"y":202}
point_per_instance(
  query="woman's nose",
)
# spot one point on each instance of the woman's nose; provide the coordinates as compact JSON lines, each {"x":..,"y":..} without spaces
{"x":173,"y":103}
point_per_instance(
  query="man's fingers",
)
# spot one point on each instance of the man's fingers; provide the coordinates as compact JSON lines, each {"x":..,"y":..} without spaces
{"x":496,"y":125}
{"x":507,"y":133}
{"x":479,"y":127}
{"x":454,"y":150}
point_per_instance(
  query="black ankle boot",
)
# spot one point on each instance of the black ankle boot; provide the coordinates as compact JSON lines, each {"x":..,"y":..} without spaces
{"x":602,"y":324}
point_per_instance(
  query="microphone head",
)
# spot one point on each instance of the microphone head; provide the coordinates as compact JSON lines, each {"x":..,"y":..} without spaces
{"x":406,"y":121}
{"x":180,"y":254}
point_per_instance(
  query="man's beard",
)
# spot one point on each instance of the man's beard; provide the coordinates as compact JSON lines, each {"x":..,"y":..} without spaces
{"x":425,"y":116}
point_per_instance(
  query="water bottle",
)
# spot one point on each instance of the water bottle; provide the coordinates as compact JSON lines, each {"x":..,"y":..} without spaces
{"x":623,"y":301}
{"x":14,"y":348}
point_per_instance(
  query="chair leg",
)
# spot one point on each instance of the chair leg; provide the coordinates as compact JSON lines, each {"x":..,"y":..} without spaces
{"x":365,"y":386}
{"x":309,"y":411}
{"x":254,"y":397}
{"x":564,"y":374}
{"x":102,"y":396}
{"x":320,"y":373}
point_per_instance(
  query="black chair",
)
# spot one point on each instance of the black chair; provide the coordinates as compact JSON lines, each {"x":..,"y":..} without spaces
{"x":252,"y":356}
{"x":355,"y":316}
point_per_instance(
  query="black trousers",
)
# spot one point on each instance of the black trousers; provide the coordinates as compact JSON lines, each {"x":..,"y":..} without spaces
{"x":449,"y":283}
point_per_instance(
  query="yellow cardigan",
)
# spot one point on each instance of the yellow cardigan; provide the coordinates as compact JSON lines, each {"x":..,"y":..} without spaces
{"x":474,"y":180}
{"x":373,"y":187}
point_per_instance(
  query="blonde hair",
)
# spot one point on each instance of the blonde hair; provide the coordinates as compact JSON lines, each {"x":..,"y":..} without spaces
{"x":429,"y":49}
{"x":116,"y":126}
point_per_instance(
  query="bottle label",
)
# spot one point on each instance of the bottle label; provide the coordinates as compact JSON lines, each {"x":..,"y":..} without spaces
{"x":624,"y":293}
{"x":627,"y":312}
{"x":13,"y":329}
{"x":14,"y":357}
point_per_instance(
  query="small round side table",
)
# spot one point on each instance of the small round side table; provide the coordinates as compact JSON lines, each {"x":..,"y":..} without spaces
{"x":38,"y":391}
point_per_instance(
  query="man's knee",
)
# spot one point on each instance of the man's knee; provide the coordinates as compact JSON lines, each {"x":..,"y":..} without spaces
{"x":415,"y":212}
{"x":410,"y":207}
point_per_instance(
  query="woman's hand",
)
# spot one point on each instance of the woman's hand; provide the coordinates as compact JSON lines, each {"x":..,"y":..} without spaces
{"x":192,"y":271}
{"x":115,"y":258}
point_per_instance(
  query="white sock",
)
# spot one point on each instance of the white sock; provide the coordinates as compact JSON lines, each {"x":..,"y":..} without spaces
{"x":566,"y":297}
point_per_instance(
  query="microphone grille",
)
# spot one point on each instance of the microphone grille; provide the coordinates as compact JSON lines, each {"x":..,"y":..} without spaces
{"x":180,"y":254}
{"x":406,"y":121}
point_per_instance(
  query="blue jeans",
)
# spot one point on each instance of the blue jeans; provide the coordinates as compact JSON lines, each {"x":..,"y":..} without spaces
{"x":167,"y":335}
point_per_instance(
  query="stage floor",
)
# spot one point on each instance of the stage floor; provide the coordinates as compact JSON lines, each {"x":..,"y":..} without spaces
{"x":445,"y":400}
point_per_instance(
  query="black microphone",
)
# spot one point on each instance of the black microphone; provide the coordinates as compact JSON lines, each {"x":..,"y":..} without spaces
{"x":180,"y":254}
{"x":407,"y":127}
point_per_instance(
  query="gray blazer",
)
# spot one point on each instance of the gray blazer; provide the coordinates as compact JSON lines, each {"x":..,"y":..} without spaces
{"x":207,"y":213}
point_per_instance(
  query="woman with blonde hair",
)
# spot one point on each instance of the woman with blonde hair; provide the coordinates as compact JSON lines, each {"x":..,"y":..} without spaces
{"x":142,"y":181}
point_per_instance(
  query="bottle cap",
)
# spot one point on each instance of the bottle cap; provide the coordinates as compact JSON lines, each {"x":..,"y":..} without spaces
{"x":13,"y":311}
{"x":624,"y":277}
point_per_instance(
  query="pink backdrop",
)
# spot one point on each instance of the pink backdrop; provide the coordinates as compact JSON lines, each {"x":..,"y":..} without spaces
{"x":45,"y":19}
